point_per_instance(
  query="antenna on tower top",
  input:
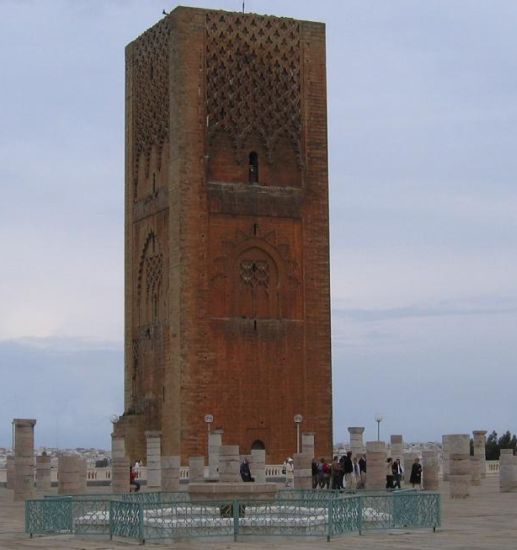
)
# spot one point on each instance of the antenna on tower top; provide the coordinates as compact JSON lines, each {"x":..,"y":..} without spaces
{"x":243,"y":2}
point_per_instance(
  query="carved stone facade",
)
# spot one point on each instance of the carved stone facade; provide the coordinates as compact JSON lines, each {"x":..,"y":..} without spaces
{"x":253,"y":74}
{"x":227,"y":259}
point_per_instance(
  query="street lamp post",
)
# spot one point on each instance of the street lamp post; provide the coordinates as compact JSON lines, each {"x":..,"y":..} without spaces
{"x":208,"y":419}
{"x":298,"y":419}
{"x":378,"y":419}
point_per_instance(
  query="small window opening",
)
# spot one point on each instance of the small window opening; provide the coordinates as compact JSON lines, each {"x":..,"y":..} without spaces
{"x":154,"y":183}
{"x":253,"y":168}
{"x":254,"y":229}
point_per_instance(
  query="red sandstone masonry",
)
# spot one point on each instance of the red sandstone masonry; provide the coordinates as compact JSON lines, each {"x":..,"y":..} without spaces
{"x":241,"y":324}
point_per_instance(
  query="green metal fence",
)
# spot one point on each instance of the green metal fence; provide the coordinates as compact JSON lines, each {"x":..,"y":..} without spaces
{"x":155,"y":516}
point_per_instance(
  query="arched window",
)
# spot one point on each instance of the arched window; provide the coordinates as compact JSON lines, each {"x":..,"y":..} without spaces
{"x":253,"y":173}
{"x":258,"y":445}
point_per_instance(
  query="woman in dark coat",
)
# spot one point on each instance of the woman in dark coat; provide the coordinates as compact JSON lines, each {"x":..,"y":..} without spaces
{"x":416,"y":473}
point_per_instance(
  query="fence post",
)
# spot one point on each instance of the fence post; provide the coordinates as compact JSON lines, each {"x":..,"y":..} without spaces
{"x":141,"y":533}
{"x":395,"y":512}
{"x":110,"y":519}
{"x":28,"y":515}
{"x":360,"y":515}
{"x":438,"y":512}
{"x":330,"y":502}
{"x":236,"y":512}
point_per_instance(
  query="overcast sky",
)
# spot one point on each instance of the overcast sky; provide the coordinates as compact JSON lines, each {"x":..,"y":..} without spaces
{"x":422,"y":110}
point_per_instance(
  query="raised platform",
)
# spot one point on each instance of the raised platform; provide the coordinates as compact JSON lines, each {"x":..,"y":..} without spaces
{"x":228,"y":491}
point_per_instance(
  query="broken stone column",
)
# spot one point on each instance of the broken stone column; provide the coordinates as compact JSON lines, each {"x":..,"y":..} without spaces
{"x":480,"y":450}
{"x":430,"y":471}
{"x":196,"y":466}
{"x":229,"y":464}
{"x":408,"y":459}
{"x":459,"y":444}
{"x":154,"y":465}
{"x":215,"y":441}
{"x":454,"y":444}
{"x":507,"y":466}
{"x":445,"y":457}
{"x":120,"y":466}
{"x":308,"y":444}
{"x":69,"y":472}
{"x":302,"y":471}
{"x":43,"y":473}
{"x":23,"y":458}
{"x":459,"y":475}
{"x":356,"y":441}
{"x":475,"y":471}
{"x":11,"y":474}
{"x":375,"y":465}
{"x":170,"y":473}
{"x":258,"y":465}
{"x":397,"y":447}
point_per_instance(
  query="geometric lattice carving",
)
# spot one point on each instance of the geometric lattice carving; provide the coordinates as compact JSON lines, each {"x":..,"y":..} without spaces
{"x":150,"y":264}
{"x":150,"y":92}
{"x":255,"y":273}
{"x":153,"y":268}
{"x":253,"y":79}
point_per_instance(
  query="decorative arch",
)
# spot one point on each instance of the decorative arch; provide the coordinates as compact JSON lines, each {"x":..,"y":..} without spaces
{"x":149,"y":280}
{"x":258,"y":445}
{"x":254,"y":275}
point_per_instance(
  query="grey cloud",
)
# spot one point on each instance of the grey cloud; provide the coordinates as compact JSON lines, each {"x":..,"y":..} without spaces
{"x":417,"y":312}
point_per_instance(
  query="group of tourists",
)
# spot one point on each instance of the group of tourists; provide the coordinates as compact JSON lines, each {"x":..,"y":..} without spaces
{"x":348,"y":473}
{"x":345,"y":473}
{"x":395,"y":473}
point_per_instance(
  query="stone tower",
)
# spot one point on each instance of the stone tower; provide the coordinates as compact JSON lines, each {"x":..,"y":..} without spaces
{"x":226,"y":233}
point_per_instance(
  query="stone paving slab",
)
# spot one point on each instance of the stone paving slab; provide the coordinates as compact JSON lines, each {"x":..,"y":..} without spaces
{"x":486,"y":520}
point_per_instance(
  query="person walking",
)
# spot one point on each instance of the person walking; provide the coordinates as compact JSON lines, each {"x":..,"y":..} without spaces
{"x":325,"y":474}
{"x":362,"y":470}
{"x":389,"y":474}
{"x":289,"y":472}
{"x":348,"y":470}
{"x":245,"y":471}
{"x":314,"y":470}
{"x":133,"y":482}
{"x":337,"y":474}
{"x":356,"y":473}
{"x":416,"y":473}
{"x":397,"y":473}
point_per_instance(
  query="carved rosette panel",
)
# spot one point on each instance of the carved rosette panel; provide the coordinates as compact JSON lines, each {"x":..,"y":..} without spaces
{"x":150,"y":64}
{"x":253,"y":79}
{"x":256,"y":274}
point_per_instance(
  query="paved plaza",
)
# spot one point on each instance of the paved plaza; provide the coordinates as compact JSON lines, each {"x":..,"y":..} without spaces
{"x":487,"y":519}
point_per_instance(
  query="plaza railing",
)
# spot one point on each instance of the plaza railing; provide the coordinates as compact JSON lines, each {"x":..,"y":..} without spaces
{"x":169,"y":516}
